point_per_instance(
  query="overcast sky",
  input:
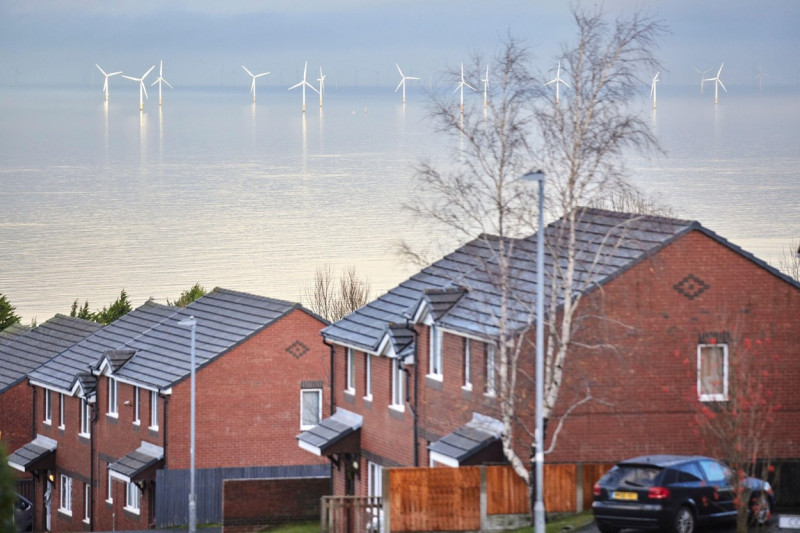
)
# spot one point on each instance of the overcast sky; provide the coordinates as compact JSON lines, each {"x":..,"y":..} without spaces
{"x":205,"y":41}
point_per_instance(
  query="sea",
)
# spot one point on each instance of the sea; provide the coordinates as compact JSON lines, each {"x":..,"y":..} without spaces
{"x":212,"y":188}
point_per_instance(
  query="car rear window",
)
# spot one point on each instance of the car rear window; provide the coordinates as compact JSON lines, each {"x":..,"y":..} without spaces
{"x":633,"y":475}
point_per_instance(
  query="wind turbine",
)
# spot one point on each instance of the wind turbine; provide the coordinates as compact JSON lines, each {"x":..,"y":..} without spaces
{"x":461,"y":86}
{"x":142,"y":88}
{"x":403,"y":81}
{"x":717,"y":83}
{"x":653,"y":88}
{"x":702,"y":75}
{"x":321,"y":81}
{"x":485,"y":85}
{"x":161,"y":80}
{"x":558,"y":80}
{"x":303,"y":84}
{"x":760,"y":75}
{"x":254,"y":76}
{"x":105,"y":85}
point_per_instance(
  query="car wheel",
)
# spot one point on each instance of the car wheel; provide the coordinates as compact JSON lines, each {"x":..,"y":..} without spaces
{"x":759,"y":510}
{"x":605,"y":528}
{"x":684,"y":521}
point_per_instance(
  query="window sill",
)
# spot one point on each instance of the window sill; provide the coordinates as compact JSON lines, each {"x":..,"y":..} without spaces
{"x":110,"y":501}
{"x":713,"y":398}
{"x":86,"y":521}
{"x":112,"y":415}
{"x":435,"y":377}
{"x":137,"y":423}
{"x":85,"y":435}
{"x":467,"y":387}
{"x":398,"y":408}
{"x":368,"y":398}
{"x":154,"y":429}
{"x":492,"y":394}
{"x":65,"y":512}
{"x":62,"y":427}
{"x":131,"y":510}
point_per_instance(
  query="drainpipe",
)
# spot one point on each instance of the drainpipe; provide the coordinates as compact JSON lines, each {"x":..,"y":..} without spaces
{"x":413,"y":330}
{"x":93,"y":407}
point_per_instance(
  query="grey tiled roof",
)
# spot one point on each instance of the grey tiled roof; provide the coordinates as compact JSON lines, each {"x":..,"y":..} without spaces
{"x":462,"y":293}
{"x":30,"y":347}
{"x":160,"y":344}
{"x":469,"y":439}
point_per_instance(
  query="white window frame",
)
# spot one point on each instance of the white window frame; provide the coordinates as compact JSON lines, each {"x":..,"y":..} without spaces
{"x":398,"y":386}
{"x":86,"y":418}
{"x":87,"y":502}
{"x":491,"y":385}
{"x":110,"y":488}
{"x":136,"y":406}
{"x":374,"y":480}
{"x":435,"y":360}
{"x":467,"y":386}
{"x":154,"y":410}
{"x":367,"y":377}
{"x":48,"y":407}
{"x":712,"y":397}
{"x":61,"y":418}
{"x":303,"y":392}
{"x":65,"y":495}
{"x":113,"y":397}
{"x":133,"y":497}
{"x":350,"y":373}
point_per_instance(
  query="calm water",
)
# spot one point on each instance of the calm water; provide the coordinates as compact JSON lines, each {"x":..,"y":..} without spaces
{"x":211,"y":189}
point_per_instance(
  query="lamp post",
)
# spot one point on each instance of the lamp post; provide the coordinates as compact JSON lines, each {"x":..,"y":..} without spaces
{"x":538,"y":508}
{"x":192,"y":323}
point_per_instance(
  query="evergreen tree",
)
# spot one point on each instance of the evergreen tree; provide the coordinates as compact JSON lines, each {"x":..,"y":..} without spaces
{"x":188,"y":296}
{"x":7,"y":315}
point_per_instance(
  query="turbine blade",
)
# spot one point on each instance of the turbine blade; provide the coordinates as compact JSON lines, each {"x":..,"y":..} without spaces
{"x":128,"y":77}
{"x":157,"y":80}
{"x":262,"y":74}
{"x":400,"y":84}
{"x":470,"y":86}
{"x":398,"y":70}
{"x":245,"y":69}
{"x":722,"y":85}
{"x":295,"y":86}
{"x":551,"y":81}
{"x":114,"y":73}
{"x":565,"y":84}
{"x":168,"y":85}
{"x":720,"y":69}
{"x":411,"y":78}
{"x":101,"y":70}
{"x":145,"y":90}
{"x":312,"y":88}
{"x":148,"y":71}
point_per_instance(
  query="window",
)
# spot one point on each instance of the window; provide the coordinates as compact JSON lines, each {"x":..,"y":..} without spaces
{"x":367,"y":376}
{"x":87,"y":502}
{"x":112,"y":396}
{"x":435,"y":362}
{"x":61,"y":420}
{"x":65,"y":494}
{"x":310,"y":408}
{"x":136,"y":419}
{"x":132,"y":497}
{"x":490,"y":386}
{"x":398,"y":385}
{"x":110,"y":489}
{"x":374,"y":480}
{"x":153,"y":410}
{"x":351,"y":372}
{"x":712,"y":372}
{"x":467,"y":361}
{"x":48,"y":409}
{"x":86,"y":417}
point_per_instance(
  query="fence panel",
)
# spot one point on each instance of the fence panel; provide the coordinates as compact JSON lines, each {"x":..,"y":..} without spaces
{"x":435,"y":499}
{"x":345,"y":514}
{"x":591,"y":475}
{"x":506,"y":493}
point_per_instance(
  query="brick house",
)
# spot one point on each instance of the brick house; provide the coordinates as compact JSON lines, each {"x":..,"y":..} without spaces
{"x":21,"y":351}
{"x":664,"y":301}
{"x":121,"y":460}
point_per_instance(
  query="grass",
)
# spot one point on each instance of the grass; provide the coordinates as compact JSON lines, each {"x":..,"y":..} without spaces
{"x":298,"y":527}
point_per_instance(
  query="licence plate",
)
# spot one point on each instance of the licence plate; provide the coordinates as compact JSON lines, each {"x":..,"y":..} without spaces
{"x":628,"y":496}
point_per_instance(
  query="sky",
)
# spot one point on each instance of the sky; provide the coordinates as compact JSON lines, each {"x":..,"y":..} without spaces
{"x":205,"y":42}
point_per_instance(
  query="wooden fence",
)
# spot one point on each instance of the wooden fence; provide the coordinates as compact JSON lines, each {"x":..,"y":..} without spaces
{"x":343,"y":514}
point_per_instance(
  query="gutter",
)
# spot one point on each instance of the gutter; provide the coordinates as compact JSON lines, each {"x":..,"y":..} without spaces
{"x":333,"y":400}
{"x":413,"y":330}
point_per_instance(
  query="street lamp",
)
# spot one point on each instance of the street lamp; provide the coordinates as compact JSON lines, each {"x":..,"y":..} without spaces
{"x":192,"y":323}
{"x":538,"y":508}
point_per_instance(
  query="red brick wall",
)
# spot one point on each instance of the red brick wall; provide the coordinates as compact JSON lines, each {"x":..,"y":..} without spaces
{"x":248,"y":401}
{"x":16,"y":417}
{"x":254,"y":504}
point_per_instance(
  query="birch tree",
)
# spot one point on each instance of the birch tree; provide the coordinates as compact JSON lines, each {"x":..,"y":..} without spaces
{"x":580,"y":143}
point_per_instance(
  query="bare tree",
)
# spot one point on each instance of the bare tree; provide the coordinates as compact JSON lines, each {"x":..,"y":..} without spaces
{"x":324,"y":299}
{"x":581,"y":144}
{"x":789,"y":261}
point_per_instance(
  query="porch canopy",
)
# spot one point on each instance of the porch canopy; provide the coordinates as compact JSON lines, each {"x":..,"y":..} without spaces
{"x":39,"y":454}
{"x":139,"y":465}
{"x":340,"y":433}
{"x":474,"y":443}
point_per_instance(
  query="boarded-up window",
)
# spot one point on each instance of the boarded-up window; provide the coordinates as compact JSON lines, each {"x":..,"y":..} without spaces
{"x":712,"y":372}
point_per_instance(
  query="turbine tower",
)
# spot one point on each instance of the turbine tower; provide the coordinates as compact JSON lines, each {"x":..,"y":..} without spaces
{"x":653,"y":89}
{"x":702,"y":75}
{"x":485,"y":86}
{"x":105,"y":84}
{"x":402,"y":83}
{"x":142,"y":88}
{"x":321,"y":81}
{"x":161,"y":80}
{"x":461,"y":86}
{"x":304,"y":84}
{"x":253,"y":84}
{"x":717,"y":84}
{"x":558,"y":80}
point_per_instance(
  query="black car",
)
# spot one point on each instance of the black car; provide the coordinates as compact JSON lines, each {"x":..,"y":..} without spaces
{"x":673,"y":493}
